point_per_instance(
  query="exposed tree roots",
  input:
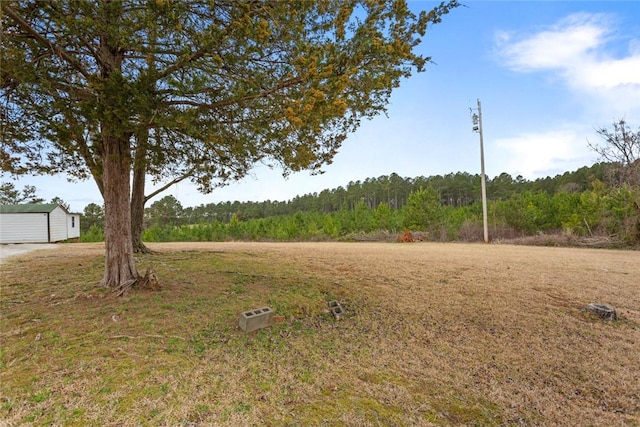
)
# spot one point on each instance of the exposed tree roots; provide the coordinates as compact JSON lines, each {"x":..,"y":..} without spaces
{"x":149,"y":281}
{"x":141,"y":248}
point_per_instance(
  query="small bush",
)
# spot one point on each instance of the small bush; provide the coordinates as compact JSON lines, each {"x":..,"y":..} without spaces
{"x":93,"y":234}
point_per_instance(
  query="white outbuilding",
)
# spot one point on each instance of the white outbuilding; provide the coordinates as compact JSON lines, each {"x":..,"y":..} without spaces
{"x":37,"y":223}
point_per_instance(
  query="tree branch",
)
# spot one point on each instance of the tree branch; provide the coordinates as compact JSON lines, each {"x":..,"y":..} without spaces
{"x":226,"y":103}
{"x":169,"y":184}
{"x":181,"y":63}
{"x":44,"y":41}
{"x":80,"y":94}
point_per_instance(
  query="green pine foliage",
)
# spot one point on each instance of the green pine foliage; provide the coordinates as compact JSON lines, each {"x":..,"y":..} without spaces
{"x":438,"y":208}
{"x":93,"y":234}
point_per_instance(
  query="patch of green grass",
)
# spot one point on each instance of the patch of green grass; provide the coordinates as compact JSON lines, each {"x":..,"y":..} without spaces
{"x":169,"y":330}
{"x":41,"y":397}
{"x":199,"y":413}
{"x":457,"y":410}
{"x":242,"y":407}
{"x":238,"y":287}
{"x":7,"y":404}
{"x":348,"y":408}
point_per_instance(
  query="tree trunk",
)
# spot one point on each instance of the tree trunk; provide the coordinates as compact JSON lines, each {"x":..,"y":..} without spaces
{"x":120,"y":268}
{"x":137,"y":220}
{"x":137,"y":195}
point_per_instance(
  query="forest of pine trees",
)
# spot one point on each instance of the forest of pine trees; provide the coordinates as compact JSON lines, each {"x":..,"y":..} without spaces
{"x":585,"y":203}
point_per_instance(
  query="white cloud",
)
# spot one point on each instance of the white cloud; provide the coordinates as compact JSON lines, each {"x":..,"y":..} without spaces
{"x":579,"y":49}
{"x":601,"y":70}
{"x":535,"y":155}
{"x":553,"y":48}
{"x":612,"y":73}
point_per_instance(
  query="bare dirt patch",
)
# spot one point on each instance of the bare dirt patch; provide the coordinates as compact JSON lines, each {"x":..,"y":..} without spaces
{"x":434,"y":334}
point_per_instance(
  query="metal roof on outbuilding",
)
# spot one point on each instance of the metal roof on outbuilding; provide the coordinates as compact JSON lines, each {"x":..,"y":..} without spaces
{"x":30,"y":208}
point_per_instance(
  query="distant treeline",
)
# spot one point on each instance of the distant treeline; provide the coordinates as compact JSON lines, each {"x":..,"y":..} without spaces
{"x":585,"y":202}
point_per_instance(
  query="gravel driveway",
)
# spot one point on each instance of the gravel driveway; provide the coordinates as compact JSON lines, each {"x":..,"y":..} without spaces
{"x":13,"y":249}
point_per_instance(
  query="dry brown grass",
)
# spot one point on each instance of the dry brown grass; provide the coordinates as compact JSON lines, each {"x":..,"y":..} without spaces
{"x":435,"y":334}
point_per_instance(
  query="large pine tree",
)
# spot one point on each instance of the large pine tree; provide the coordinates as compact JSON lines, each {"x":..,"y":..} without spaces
{"x":192,"y":89}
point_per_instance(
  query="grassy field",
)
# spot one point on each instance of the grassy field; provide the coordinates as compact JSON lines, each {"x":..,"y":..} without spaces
{"x":434,"y":334}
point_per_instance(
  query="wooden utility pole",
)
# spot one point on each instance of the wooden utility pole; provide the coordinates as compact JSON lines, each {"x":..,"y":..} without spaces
{"x":477,"y":127}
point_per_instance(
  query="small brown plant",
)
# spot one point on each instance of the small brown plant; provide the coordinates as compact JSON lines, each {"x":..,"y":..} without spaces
{"x":406,"y":237}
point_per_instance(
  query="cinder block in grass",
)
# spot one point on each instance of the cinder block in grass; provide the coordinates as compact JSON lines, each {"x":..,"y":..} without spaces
{"x":604,"y":311}
{"x":256,"y":319}
{"x":336,"y":309}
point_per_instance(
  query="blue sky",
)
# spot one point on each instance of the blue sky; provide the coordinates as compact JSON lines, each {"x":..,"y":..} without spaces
{"x":546,"y":72}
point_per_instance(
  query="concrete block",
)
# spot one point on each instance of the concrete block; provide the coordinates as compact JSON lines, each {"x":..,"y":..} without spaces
{"x":604,"y":311}
{"x":333,"y":303}
{"x":256,"y":319}
{"x":336,"y":309}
